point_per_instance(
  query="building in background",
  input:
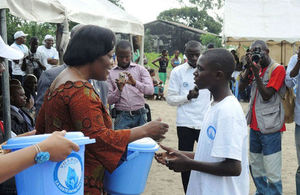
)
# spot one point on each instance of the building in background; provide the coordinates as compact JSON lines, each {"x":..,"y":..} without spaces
{"x":170,"y":35}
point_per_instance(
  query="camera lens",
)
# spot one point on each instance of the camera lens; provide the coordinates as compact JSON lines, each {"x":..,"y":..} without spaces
{"x":255,"y":58}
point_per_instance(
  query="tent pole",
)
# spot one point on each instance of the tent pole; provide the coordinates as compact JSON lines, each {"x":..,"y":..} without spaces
{"x":131,"y":43}
{"x":142,"y":52}
{"x":281,"y":51}
{"x":5,"y":82}
{"x":59,"y":32}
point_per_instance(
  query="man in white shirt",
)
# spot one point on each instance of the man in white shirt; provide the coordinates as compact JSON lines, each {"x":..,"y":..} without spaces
{"x":19,"y":44}
{"x":220,"y":164}
{"x":48,"y":54}
{"x":191,"y":103}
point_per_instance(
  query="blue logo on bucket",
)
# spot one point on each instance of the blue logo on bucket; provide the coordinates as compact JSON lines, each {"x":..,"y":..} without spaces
{"x":211,"y":132}
{"x":185,"y":84}
{"x":68,"y":174}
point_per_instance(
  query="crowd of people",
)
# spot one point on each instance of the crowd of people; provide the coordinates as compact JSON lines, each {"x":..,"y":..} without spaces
{"x":87,"y":91}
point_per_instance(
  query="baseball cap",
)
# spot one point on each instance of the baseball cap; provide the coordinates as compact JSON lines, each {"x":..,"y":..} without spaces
{"x":48,"y":37}
{"x":9,"y":52}
{"x":19,"y":34}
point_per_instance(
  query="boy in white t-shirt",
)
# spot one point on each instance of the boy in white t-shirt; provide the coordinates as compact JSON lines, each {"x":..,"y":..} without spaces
{"x":220,"y":164}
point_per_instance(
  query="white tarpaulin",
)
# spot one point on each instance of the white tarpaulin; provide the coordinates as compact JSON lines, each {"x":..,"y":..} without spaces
{"x":276,"y":20}
{"x":97,"y":12}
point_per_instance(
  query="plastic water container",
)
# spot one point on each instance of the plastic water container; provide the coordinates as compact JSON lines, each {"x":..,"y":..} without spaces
{"x":65,"y":177}
{"x":131,"y":175}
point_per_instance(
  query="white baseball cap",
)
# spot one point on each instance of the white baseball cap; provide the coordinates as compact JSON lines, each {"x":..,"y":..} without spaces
{"x":19,"y":34}
{"x":9,"y":52}
{"x":48,"y":37}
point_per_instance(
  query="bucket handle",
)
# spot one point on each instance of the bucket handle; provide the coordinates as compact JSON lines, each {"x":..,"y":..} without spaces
{"x":132,"y":155}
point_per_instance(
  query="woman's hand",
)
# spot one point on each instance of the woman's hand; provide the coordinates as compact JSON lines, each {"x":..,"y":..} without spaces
{"x":58,"y":146}
{"x":156,"y":129}
{"x":174,"y":159}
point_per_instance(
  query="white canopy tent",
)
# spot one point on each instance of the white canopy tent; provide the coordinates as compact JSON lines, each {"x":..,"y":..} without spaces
{"x":97,"y":12}
{"x":274,"y":21}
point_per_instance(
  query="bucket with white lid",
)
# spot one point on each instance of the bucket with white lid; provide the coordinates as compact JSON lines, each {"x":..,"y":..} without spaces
{"x":131,"y":175}
{"x":65,"y":177}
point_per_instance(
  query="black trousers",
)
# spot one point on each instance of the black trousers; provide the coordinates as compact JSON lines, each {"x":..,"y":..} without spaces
{"x":186,"y":140}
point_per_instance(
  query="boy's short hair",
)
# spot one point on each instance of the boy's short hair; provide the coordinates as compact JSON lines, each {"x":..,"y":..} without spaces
{"x":262,"y":43}
{"x":210,"y":46}
{"x":123,"y":45}
{"x":164,"y":51}
{"x":151,"y":70}
{"x":220,"y":59}
{"x":192,"y":44}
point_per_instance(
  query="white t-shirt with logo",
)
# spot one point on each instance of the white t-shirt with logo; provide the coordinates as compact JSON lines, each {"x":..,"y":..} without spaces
{"x":223,"y":135}
{"x":46,"y":53}
{"x":16,"y":68}
{"x":190,"y":113}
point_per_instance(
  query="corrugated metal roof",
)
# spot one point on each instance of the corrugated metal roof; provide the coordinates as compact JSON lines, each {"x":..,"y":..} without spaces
{"x":182,"y":26}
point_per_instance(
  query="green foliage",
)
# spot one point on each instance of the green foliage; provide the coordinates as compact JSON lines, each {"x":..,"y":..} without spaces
{"x":193,"y":17}
{"x":206,"y":4}
{"x":207,"y":38}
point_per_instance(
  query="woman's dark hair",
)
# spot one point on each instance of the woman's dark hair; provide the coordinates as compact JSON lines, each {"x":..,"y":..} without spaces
{"x":88,"y":43}
{"x":164,"y":51}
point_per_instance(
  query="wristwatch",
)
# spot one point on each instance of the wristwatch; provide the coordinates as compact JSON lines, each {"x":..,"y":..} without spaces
{"x":41,"y":156}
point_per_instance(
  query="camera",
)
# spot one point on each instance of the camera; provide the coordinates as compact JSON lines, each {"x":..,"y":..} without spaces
{"x":257,"y":54}
{"x":122,"y":77}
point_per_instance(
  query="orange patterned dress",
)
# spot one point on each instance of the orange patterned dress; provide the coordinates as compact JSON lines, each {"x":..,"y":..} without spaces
{"x":75,"y":106}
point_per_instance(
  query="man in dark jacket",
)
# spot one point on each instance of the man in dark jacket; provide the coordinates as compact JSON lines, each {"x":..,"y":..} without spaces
{"x":21,"y":121}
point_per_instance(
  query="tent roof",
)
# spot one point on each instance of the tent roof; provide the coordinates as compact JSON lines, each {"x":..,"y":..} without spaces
{"x":260,"y":19}
{"x":97,"y":12}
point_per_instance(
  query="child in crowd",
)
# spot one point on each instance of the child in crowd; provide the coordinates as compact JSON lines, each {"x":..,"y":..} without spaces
{"x":176,"y":61}
{"x":235,"y":80}
{"x":163,"y":65}
{"x":158,"y":87}
{"x":220,"y":164}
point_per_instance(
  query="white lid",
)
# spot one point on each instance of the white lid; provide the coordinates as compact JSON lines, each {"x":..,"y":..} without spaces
{"x":144,"y":145}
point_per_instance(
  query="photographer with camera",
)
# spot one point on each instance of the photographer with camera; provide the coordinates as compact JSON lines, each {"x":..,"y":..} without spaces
{"x":265,"y":117}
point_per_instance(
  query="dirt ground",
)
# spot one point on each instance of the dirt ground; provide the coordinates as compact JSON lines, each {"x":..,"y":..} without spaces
{"x":162,"y":181}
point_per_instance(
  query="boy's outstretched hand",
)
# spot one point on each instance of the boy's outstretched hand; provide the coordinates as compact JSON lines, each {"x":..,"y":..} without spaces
{"x":175,"y":160}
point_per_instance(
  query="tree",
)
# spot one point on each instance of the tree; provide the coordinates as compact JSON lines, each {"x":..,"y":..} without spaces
{"x":117,"y":3}
{"x":207,"y":38}
{"x":193,"y":17}
{"x":206,"y":4}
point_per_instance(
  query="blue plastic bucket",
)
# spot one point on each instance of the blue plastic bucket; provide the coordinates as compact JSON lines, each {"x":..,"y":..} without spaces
{"x":131,"y":176}
{"x":65,"y":177}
